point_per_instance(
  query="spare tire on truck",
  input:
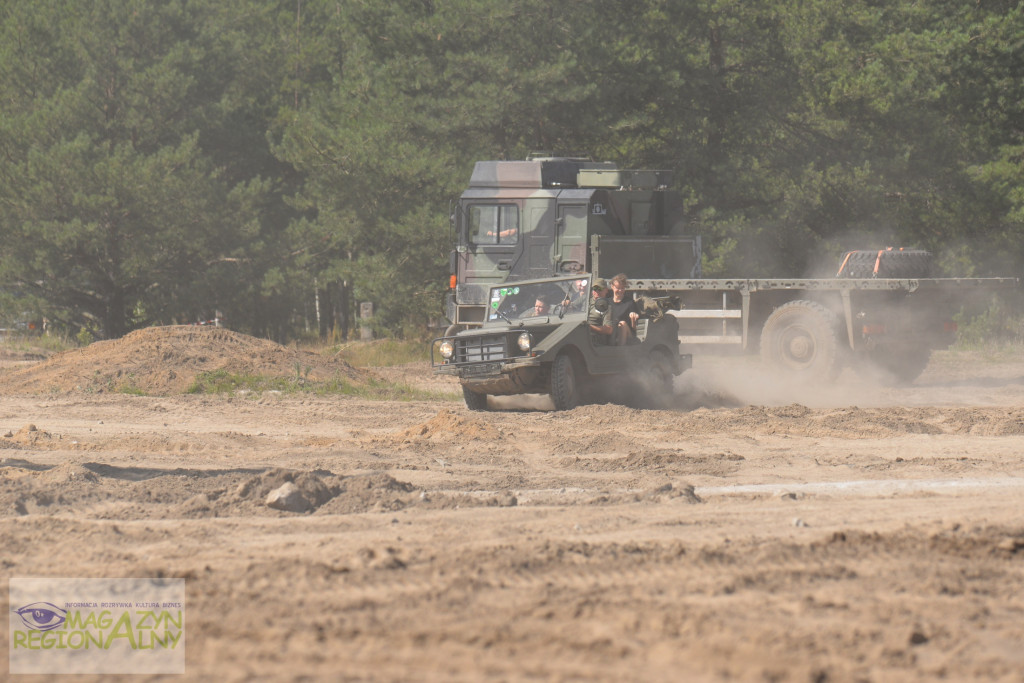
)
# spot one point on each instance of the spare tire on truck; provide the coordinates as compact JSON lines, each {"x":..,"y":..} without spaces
{"x":896,"y":263}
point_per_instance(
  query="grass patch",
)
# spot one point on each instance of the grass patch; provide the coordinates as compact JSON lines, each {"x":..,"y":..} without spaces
{"x":381,"y":353}
{"x":223,"y":382}
{"x":37,"y":343}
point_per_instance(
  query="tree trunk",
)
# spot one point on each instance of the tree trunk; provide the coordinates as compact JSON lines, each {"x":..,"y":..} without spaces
{"x":344,"y":308}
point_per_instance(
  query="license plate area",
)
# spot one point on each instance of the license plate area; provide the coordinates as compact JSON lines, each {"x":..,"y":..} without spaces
{"x":480,"y":369}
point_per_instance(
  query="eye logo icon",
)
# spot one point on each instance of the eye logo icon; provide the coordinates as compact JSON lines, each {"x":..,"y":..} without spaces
{"x":41,"y":616}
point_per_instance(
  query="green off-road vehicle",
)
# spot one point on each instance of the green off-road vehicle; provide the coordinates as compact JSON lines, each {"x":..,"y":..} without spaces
{"x":536,"y":340}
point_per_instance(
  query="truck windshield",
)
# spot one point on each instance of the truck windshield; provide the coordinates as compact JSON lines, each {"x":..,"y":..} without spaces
{"x":552,"y":297}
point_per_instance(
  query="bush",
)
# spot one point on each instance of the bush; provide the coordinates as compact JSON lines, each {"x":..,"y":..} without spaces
{"x":996,"y":325}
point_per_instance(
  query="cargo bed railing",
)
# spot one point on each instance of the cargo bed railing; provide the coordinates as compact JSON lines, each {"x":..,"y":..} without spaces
{"x":725,"y":314}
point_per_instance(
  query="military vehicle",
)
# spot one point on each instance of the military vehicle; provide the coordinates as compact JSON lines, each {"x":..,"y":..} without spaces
{"x":548,"y":216}
{"x":536,"y":340}
{"x":530,"y":219}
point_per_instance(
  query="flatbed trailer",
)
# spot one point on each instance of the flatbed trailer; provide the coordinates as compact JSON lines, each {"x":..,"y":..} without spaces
{"x":549,"y":217}
{"x":815,"y":327}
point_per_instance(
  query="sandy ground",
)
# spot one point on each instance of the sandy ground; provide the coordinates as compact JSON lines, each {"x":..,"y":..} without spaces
{"x":758,"y":532}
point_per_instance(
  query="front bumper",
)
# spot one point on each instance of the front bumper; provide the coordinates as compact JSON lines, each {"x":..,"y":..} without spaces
{"x":491,"y":363}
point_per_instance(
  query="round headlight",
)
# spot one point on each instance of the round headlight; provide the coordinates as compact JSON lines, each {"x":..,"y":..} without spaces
{"x":447,"y":349}
{"x":524,"y":342}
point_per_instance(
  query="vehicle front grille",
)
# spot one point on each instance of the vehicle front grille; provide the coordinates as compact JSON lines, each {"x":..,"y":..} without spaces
{"x":482,"y":348}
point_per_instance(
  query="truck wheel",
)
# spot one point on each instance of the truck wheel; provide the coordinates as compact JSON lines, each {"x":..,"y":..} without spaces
{"x":802,"y":337}
{"x":902,"y":364}
{"x":565,"y":392}
{"x":658,"y":380}
{"x":474,"y":401}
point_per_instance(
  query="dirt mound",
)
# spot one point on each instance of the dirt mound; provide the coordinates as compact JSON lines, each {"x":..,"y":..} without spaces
{"x":107,"y":491}
{"x":28,"y":436}
{"x":440,"y":433}
{"x":162,"y":361}
{"x":446,"y":424}
{"x":667,"y":461}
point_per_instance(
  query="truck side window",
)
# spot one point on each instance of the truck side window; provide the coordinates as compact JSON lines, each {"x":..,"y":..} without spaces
{"x":494,"y":224}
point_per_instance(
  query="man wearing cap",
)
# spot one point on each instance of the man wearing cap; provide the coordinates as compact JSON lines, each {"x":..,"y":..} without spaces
{"x":600,"y":317}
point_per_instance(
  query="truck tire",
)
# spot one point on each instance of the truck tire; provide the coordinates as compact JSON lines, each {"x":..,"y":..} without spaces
{"x":475,"y":401}
{"x":658,"y":380}
{"x":565,"y":386}
{"x":901,"y":364}
{"x":900,"y":264}
{"x":802,"y":338}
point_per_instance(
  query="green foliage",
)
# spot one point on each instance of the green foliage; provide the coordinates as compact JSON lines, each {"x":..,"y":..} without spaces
{"x":998,"y":324}
{"x":84,"y":337}
{"x":223,"y":382}
{"x":34,"y":343}
{"x":130,"y":389}
{"x":383,"y":353}
{"x":282,"y":162}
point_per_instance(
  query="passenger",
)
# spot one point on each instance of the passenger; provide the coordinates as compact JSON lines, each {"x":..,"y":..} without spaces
{"x":600,"y":318}
{"x":576,"y":298}
{"x":624,"y":312}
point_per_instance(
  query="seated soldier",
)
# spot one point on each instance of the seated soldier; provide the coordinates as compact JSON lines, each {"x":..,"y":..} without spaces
{"x":576,"y":298}
{"x":599,"y":318}
{"x":624,"y":312}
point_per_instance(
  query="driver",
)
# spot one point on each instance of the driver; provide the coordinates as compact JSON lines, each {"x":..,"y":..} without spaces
{"x":540,"y":307}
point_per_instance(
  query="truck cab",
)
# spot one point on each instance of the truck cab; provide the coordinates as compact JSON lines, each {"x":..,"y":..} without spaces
{"x":540,"y":218}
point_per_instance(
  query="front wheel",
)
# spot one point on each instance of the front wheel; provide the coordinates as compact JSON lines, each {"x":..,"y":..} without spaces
{"x":565,"y":388}
{"x":802,"y":338}
{"x":474,"y":401}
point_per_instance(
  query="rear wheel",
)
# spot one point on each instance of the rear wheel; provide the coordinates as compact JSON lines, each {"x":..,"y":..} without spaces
{"x":565,"y":383}
{"x":474,"y":401}
{"x":802,"y":338}
{"x":658,"y":380}
{"x":901,"y":364}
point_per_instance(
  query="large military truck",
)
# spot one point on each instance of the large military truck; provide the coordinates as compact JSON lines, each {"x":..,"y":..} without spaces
{"x":531,"y":219}
{"x":550,"y":216}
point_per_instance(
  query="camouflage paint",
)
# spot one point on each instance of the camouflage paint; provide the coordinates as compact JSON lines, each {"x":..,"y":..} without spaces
{"x":559,"y":205}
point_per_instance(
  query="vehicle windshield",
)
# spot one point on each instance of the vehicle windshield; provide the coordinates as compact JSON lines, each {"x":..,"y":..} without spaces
{"x":514,"y":301}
